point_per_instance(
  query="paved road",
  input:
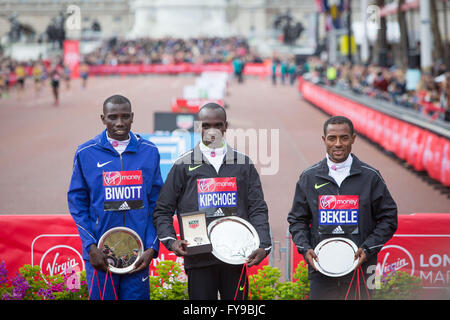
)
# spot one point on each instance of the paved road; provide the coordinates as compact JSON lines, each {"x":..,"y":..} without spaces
{"x":38,"y":142}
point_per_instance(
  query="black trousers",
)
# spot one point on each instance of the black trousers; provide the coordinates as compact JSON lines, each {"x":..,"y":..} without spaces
{"x":218,"y":281}
{"x":329,"y":288}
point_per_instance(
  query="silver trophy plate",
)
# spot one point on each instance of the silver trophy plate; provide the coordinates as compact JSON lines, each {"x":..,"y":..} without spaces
{"x":233,"y":239}
{"x":336,"y":257}
{"x":122,"y":247}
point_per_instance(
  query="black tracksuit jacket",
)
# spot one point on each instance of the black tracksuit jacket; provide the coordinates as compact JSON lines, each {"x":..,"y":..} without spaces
{"x":377,"y":221}
{"x":180,"y":194}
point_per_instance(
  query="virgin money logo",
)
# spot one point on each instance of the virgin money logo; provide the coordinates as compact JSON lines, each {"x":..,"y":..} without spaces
{"x":206,"y":185}
{"x":60,"y":258}
{"x":112,"y":178}
{"x":395,"y":258}
{"x":328,"y":202}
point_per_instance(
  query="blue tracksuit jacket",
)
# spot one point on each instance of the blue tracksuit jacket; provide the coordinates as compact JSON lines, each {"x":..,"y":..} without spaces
{"x":109,"y":190}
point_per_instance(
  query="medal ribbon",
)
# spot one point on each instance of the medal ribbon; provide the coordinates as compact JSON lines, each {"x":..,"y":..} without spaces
{"x":357,"y":289}
{"x":244,"y":268}
{"x":104,"y":286}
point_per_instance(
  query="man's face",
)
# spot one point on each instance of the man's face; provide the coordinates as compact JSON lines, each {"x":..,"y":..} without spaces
{"x":338,"y":141}
{"x":214,"y":126}
{"x":118,"y":119}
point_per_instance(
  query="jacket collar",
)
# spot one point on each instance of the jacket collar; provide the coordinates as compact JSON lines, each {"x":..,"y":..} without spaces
{"x":323,"y":168}
{"x":132,"y":145}
{"x":230,"y":156}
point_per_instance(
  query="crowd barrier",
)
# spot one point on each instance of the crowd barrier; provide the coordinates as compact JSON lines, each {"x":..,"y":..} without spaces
{"x":420,"y":247}
{"x":253,"y":69}
{"x":419,"y":147}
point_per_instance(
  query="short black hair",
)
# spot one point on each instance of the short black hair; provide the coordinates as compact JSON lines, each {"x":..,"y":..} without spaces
{"x":116,"y":99}
{"x":214,"y":106}
{"x":338,"y":120}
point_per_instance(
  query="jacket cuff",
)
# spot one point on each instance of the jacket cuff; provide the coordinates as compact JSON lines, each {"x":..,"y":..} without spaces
{"x":87,"y":246}
{"x":167,"y":242}
{"x":303,"y":250}
{"x":370,"y":251}
{"x":267,"y":249}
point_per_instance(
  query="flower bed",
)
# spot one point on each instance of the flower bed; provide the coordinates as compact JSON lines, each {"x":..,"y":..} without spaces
{"x":170,"y":284}
{"x":29,"y":284}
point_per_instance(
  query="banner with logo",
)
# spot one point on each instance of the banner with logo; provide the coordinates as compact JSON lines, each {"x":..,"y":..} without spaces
{"x":49,"y":241}
{"x":420,"y":247}
{"x":72,"y":56}
{"x":52,"y":243}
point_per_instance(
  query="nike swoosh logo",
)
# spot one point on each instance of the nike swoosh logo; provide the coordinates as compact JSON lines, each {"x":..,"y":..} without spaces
{"x":193,"y":168}
{"x":99,"y":165}
{"x":320,"y":185}
{"x":143,"y":279}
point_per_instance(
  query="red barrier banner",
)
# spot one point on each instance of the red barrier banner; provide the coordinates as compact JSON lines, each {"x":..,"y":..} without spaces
{"x":416,"y":148}
{"x":432,"y":155}
{"x":445,"y":165}
{"x":370,"y":124}
{"x":191,"y":105}
{"x":72,"y":56}
{"x":401,"y":149}
{"x":390,"y":126}
{"x":420,"y":247}
{"x":379,"y":129}
{"x":52,"y":242}
{"x":394,"y":142}
{"x":255,"y":69}
{"x":49,"y":241}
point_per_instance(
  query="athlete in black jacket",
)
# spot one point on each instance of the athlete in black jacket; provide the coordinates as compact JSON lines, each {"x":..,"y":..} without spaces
{"x":357,"y":186}
{"x":182,"y":192}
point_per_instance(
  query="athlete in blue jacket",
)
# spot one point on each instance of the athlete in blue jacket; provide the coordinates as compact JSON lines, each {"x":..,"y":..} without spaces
{"x":115,"y":182}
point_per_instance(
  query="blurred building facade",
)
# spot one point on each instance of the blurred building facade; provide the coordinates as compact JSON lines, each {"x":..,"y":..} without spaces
{"x":399,"y":29}
{"x":113,"y":16}
{"x":159,"y":18}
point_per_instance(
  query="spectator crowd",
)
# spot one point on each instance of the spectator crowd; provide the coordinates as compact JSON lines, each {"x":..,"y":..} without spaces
{"x":426,"y":92}
{"x":171,"y":51}
{"x":117,"y":51}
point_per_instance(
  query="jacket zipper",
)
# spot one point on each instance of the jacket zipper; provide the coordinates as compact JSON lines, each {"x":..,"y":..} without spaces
{"x":121,"y":169}
{"x":95,"y":229}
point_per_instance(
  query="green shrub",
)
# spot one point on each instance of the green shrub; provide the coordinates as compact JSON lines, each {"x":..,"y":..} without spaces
{"x":265,"y":284}
{"x":169,"y":283}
